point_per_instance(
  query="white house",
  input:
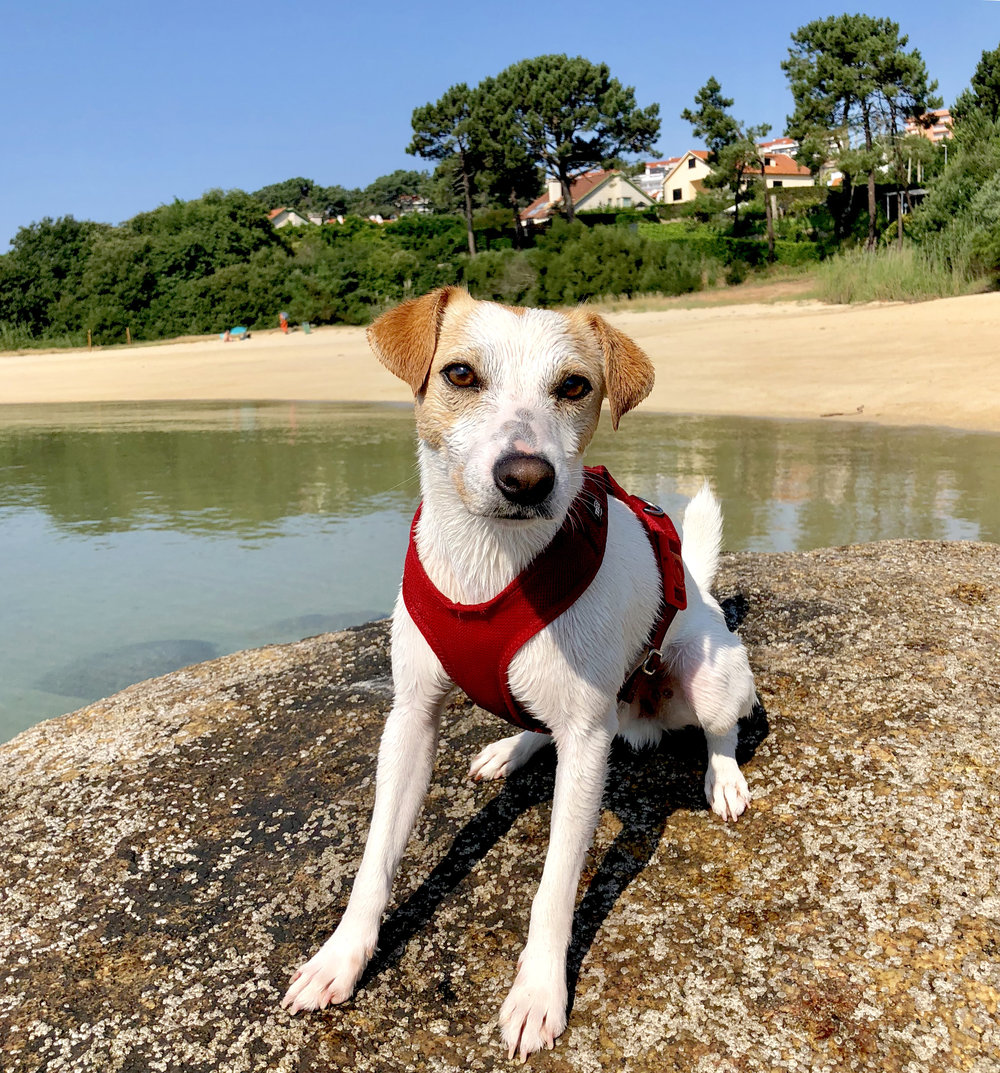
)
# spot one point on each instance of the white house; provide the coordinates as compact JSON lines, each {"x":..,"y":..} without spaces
{"x":287,"y":218}
{"x":788,"y":146}
{"x":592,"y":190}
{"x":651,"y":179}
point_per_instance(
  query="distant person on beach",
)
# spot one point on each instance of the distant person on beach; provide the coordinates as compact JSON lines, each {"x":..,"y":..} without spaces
{"x":283,"y":322}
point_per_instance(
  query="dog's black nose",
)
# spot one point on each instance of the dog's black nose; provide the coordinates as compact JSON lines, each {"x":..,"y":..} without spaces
{"x":524,"y":479}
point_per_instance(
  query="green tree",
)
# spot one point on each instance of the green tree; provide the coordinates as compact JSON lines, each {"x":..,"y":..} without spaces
{"x":984,"y":95}
{"x":732,"y":150}
{"x":511,"y":177}
{"x":387,"y":195}
{"x":711,"y":119}
{"x":304,"y":195}
{"x":42,"y":272}
{"x":447,"y":129}
{"x":570,"y":115}
{"x":852,"y":81}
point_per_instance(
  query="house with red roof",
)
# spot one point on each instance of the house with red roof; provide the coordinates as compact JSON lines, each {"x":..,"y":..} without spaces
{"x":684,"y":181}
{"x":287,"y":218}
{"x":592,"y":190}
{"x":788,"y":146}
{"x":781,"y":170}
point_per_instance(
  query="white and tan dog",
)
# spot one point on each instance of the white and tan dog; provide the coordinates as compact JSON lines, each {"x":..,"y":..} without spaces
{"x":506,"y":402}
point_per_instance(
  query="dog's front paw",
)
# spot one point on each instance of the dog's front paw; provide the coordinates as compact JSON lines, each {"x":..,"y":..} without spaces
{"x":533,"y":1015}
{"x":726,"y":790}
{"x":329,"y":976}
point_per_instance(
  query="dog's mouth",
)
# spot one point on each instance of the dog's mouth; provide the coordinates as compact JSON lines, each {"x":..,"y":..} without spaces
{"x":510,"y":513}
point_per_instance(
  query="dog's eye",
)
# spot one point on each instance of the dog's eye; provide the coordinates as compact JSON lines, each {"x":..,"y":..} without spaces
{"x":460,"y":375}
{"x":574,"y":387}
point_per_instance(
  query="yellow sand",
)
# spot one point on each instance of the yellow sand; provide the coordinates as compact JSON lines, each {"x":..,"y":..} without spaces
{"x":931,"y":363}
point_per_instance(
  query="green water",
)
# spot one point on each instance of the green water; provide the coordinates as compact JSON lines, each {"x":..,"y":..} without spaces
{"x":137,"y":539}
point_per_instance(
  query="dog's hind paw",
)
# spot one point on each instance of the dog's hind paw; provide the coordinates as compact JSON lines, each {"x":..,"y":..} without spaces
{"x":502,"y":757}
{"x":533,"y":1015}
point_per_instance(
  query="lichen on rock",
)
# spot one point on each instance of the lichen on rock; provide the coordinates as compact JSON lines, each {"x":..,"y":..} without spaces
{"x":172,"y":853}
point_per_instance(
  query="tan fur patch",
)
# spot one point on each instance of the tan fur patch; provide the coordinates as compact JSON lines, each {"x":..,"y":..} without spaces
{"x":405,"y":338}
{"x":628,"y":372}
{"x":438,"y":406}
{"x":590,"y":363}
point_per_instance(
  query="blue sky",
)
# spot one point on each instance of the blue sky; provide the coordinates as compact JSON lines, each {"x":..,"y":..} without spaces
{"x":114,"y":108}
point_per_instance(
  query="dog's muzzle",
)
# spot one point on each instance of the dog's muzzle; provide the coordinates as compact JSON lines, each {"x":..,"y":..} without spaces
{"x":524,"y":479}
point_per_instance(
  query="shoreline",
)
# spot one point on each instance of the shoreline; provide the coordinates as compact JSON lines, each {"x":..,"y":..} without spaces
{"x":930,"y":363}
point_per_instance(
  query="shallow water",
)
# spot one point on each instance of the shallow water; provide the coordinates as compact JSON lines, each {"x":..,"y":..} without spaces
{"x":135,"y":539}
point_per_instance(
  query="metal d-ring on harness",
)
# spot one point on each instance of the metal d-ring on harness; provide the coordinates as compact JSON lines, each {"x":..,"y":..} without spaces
{"x":647,"y":682}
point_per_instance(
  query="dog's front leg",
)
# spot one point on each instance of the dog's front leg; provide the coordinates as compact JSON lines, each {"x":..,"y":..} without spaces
{"x":534,"y":1013}
{"x":405,"y":760}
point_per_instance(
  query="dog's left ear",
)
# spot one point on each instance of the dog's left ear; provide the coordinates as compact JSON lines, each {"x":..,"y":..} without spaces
{"x":628,"y":372}
{"x":404,"y":339}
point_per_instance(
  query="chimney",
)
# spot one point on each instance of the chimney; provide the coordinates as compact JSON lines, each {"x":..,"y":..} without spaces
{"x":554,"y":190}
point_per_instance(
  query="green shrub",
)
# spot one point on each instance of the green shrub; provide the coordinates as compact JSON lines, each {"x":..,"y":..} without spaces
{"x":502,"y":276}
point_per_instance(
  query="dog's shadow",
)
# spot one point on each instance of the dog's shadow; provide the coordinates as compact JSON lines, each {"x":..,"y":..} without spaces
{"x":642,"y":790}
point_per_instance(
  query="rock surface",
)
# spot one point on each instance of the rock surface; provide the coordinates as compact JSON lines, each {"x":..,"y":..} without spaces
{"x":171,"y":854}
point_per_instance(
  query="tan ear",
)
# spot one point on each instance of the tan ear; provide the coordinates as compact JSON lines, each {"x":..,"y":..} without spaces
{"x":628,"y":373}
{"x":404,"y":339}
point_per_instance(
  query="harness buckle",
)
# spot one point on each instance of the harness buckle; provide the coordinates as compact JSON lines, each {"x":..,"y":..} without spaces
{"x":652,"y":664}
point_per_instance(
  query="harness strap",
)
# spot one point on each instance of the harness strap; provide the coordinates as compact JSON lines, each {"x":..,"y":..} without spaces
{"x":476,"y":642}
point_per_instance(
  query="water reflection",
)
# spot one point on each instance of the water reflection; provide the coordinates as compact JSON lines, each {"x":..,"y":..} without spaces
{"x":132,"y":536}
{"x":790,"y":485}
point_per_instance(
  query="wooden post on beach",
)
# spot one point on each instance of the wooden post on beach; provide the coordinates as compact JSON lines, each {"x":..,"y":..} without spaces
{"x":89,"y":346}
{"x":128,"y":335}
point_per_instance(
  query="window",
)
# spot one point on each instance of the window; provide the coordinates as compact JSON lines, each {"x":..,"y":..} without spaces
{"x":626,"y":203}
{"x":677,"y":194}
{"x":777,"y":182}
{"x":692,"y":161}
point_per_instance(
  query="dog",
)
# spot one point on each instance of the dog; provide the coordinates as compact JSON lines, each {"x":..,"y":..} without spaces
{"x":506,"y":401}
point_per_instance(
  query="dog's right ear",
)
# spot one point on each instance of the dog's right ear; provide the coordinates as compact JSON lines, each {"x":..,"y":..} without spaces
{"x":404,"y":339}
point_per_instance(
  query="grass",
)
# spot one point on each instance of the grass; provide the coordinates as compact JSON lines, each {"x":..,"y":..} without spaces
{"x":912,"y":274}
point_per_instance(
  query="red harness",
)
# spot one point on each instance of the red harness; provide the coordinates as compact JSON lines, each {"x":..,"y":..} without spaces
{"x":476,"y":642}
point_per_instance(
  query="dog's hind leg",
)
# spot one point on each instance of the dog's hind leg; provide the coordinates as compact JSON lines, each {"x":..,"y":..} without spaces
{"x":716,"y":685}
{"x":502,"y":757}
{"x":725,"y":787}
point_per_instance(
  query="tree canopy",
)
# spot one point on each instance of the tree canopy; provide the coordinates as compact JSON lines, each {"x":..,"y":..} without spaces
{"x":852,"y":80}
{"x":983,"y":96}
{"x":732,"y":146}
{"x":448,"y":128}
{"x":569,"y":115}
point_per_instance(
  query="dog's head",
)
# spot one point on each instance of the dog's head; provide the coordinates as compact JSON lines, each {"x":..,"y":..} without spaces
{"x":507,"y":398}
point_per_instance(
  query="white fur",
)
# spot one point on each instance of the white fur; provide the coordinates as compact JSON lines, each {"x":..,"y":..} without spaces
{"x":570,"y":672}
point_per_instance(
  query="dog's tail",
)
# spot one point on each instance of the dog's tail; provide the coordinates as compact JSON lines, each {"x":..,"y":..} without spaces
{"x":701,"y":536}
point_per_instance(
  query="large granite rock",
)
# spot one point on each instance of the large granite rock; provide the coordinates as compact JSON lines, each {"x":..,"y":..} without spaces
{"x":170,"y":854}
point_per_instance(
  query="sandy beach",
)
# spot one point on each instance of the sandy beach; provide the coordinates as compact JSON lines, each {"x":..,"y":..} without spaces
{"x":930,"y":363}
